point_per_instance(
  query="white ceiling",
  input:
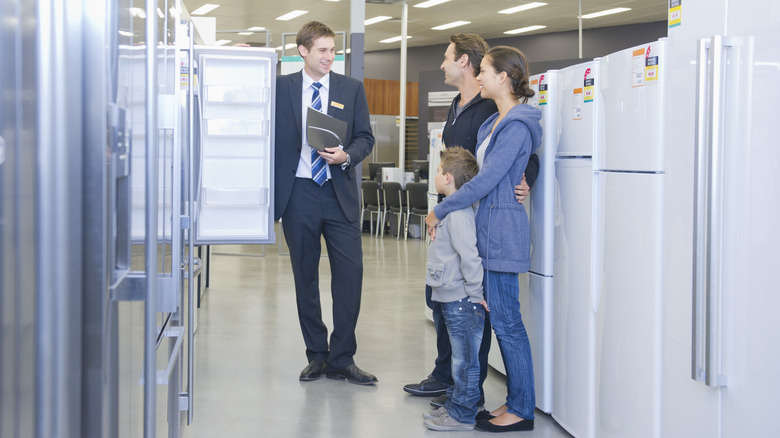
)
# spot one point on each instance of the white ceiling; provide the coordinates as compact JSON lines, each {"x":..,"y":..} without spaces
{"x":559,"y":15}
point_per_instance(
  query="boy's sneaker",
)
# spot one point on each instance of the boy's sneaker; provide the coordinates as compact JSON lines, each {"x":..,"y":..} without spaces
{"x":434,"y":413}
{"x":446,"y":423}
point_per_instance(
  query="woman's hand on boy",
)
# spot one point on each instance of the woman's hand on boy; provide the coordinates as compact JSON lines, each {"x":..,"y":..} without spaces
{"x":431,"y":222}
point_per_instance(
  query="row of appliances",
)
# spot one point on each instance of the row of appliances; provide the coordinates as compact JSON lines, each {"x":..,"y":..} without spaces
{"x":650,"y":297}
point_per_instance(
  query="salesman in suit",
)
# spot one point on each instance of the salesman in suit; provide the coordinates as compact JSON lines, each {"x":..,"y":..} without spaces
{"x":317,"y":195}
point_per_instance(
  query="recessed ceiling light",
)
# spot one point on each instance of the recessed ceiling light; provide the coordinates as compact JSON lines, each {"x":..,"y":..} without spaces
{"x":524,"y":7}
{"x":246,"y":33}
{"x":341,"y":52}
{"x":430,"y":3}
{"x":222,"y":42}
{"x":524,"y":29}
{"x":377,"y":19}
{"x":256,"y":29}
{"x":160,"y":13}
{"x":394,"y":39}
{"x":607,"y":12}
{"x":291,"y":15}
{"x":451,"y":25}
{"x":126,"y":33}
{"x":205,"y":9}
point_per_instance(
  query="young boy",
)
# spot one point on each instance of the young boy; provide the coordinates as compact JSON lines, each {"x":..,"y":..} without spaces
{"x":455,"y":274}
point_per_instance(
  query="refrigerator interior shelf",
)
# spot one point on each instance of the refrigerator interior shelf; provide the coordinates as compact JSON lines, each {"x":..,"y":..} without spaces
{"x":225,"y":94}
{"x":236,"y":197}
{"x":237,"y":128}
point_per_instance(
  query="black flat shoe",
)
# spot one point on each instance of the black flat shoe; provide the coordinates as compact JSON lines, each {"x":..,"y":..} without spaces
{"x":352,"y":374}
{"x":520,"y":426}
{"x":484,"y":415}
{"x":313,"y":371}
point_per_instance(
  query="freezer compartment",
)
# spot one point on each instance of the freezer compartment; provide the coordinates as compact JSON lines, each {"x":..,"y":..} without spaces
{"x":581,"y":109}
{"x":539,"y":203}
{"x":634,"y":94}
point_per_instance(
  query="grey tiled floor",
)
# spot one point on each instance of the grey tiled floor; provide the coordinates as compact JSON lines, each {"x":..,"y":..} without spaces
{"x":249,"y":351}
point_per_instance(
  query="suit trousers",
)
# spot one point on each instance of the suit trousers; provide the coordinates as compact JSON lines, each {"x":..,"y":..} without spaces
{"x":314,"y":212}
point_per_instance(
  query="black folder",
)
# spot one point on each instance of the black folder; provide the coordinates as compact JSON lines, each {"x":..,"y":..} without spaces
{"x":324,"y":131}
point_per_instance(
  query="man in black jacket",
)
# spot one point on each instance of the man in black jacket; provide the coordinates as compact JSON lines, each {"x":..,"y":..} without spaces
{"x":466,"y":114}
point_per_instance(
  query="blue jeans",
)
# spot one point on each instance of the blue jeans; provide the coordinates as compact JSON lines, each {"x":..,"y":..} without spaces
{"x":442,"y":371}
{"x":502,"y":292}
{"x":465,"y":324}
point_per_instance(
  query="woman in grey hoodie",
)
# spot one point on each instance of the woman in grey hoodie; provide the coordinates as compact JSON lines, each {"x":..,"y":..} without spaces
{"x":505,"y":140}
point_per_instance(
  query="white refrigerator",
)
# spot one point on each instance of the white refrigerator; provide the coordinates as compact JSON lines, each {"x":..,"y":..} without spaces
{"x":576,"y":304}
{"x":721,"y":215}
{"x":235,"y":163}
{"x":628,"y":241}
{"x":686,"y":195}
{"x":536,"y":286}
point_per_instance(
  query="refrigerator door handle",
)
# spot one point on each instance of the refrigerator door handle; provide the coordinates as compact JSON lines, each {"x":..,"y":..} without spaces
{"x":700,"y":267}
{"x":150,"y":220}
{"x":191,"y":230}
{"x":709,"y":213}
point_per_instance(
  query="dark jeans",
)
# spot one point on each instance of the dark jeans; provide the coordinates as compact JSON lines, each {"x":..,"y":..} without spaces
{"x":442,"y":371}
{"x":465,"y":324}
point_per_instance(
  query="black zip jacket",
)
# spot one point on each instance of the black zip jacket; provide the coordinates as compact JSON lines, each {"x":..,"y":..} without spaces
{"x":462,"y":131}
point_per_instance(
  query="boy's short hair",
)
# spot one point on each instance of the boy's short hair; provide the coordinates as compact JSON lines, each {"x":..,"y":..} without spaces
{"x":459,"y":163}
{"x":310,"y":32}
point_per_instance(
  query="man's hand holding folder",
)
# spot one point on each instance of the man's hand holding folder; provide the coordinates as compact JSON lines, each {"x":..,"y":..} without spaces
{"x":326,"y":134}
{"x":324,"y":131}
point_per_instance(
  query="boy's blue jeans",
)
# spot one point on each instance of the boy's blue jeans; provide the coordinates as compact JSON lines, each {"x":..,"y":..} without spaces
{"x":465,"y":324}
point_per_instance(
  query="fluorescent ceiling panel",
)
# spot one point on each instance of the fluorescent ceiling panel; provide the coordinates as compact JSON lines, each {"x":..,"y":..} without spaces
{"x":394,"y":39}
{"x":451,"y":25}
{"x":205,"y":9}
{"x":137,"y":13}
{"x":290,"y":15}
{"x":607,"y":12}
{"x":430,"y":3}
{"x":377,"y":19}
{"x":524,"y":7}
{"x":524,"y":29}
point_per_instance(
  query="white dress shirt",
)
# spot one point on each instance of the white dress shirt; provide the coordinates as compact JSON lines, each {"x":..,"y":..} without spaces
{"x":304,"y":163}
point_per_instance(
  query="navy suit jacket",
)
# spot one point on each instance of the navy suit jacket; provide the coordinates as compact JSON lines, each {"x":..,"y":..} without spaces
{"x":348,"y":103}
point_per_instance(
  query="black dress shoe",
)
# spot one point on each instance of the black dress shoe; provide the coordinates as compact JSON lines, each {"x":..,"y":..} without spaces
{"x":353,"y":374}
{"x":429,"y":387}
{"x":313,"y":371}
{"x":520,"y":426}
{"x":484,"y":415}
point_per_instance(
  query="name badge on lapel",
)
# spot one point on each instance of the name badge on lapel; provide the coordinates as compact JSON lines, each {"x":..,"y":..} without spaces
{"x":337,"y":105}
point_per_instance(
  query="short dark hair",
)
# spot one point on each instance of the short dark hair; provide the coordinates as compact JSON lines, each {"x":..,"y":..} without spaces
{"x":512,"y":61}
{"x":471,"y":45}
{"x":459,"y":163}
{"x":310,"y":32}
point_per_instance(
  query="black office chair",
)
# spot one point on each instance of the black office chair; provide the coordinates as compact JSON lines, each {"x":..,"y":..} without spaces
{"x":394,"y":204}
{"x":417,"y":199}
{"x":370,"y":202}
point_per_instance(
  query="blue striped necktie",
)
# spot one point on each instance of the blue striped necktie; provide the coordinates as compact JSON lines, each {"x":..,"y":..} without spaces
{"x":318,"y":172}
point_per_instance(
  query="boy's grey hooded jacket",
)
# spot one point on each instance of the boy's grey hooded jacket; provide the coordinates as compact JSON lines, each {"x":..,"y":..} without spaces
{"x":503,"y":235}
